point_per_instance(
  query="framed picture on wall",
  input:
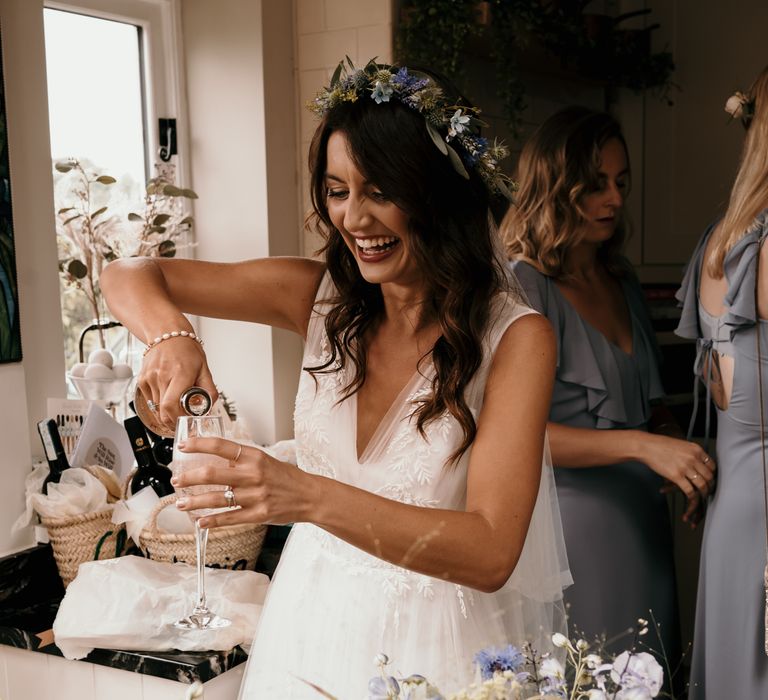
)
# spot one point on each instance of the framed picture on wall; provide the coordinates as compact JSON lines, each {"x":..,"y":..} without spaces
{"x":10,"y":334}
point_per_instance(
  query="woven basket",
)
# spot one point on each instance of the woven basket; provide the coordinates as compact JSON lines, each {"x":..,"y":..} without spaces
{"x":86,"y":537}
{"x":229,"y":547}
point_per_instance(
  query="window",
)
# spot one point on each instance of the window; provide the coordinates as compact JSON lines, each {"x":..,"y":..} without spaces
{"x":113,"y":71}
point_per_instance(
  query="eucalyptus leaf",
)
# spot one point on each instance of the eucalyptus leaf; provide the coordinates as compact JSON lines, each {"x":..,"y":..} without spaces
{"x":172,"y":191}
{"x":71,"y":219}
{"x":505,"y":191}
{"x":336,"y":75}
{"x":189,"y":194}
{"x":63,"y":167}
{"x":187,"y":220}
{"x":98,"y":212}
{"x":106,"y":180}
{"x":439,"y":141}
{"x":160,"y":219}
{"x":166,"y":249}
{"x":135,"y":217}
{"x":65,"y":210}
{"x":77,"y":269}
{"x":458,"y":166}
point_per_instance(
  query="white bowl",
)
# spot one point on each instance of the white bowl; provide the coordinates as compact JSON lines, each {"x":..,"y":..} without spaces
{"x":109,"y":390}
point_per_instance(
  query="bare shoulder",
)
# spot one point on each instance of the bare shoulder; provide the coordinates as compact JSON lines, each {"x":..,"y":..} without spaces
{"x":528,"y":333}
{"x":526,"y":352}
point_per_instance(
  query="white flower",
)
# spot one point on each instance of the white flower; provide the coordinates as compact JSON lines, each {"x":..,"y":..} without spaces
{"x":639,"y":671}
{"x":634,"y":694}
{"x":559,"y":640}
{"x":458,"y":123}
{"x":735,"y":104}
{"x":381,"y":92}
{"x":552,"y":668}
{"x":595,"y":694}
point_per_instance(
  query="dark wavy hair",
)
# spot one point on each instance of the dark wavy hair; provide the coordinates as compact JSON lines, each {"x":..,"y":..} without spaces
{"x":558,"y":166}
{"x":452,"y":239}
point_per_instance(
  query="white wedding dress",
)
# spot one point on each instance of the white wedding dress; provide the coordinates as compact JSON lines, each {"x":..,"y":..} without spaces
{"x":331,"y":607}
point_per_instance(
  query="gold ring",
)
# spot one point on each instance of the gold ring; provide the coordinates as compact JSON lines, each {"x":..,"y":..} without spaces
{"x":239,"y":452}
{"x":705,"y":460}
{"x":229,"y":494}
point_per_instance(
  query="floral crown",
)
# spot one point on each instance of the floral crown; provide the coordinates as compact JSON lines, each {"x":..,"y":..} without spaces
{"x":421,"y":93}
{"x":741,"y":106}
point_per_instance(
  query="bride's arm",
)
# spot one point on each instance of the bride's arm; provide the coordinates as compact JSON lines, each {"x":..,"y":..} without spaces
{"x":151,"y":295}
{"x":478,"y":547}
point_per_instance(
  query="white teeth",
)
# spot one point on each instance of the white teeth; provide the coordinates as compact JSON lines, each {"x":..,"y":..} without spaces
{"x":366,"y":243}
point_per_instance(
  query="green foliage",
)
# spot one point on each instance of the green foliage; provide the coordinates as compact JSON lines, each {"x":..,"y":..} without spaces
{"x":434,"y":34}
{"x":90,"y":236}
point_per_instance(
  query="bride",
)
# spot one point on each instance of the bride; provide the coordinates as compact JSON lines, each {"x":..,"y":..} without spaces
{"x":423,"y":502}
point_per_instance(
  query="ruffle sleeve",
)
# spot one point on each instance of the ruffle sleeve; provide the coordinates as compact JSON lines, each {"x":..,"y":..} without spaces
{"x":688,"y":294}
{"x":741,"y":273}
{"x":585,"y":358}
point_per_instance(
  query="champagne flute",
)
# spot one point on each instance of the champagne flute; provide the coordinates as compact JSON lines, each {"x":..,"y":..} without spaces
{"x":201,"y":616}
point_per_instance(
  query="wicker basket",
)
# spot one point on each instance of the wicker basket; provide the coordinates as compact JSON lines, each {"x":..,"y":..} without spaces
{"x":229,"y":547}
{"x":86,"y":537}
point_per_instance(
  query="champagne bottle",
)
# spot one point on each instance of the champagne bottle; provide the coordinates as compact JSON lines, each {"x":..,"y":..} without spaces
{"x":54,"y":451}
{"x":148,"y":471}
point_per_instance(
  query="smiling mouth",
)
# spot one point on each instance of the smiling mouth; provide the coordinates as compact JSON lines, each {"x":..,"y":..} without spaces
{"x":374,"y":246}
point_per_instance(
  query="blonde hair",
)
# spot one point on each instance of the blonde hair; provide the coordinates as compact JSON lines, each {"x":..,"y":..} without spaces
{"x":558,"y":166}
{"x":749,"y":194}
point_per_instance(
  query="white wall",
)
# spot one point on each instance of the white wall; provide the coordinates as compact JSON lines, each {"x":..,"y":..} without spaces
{"x":25,"y":386}
{"x":242,"y":102}
{"x":326,"y":32}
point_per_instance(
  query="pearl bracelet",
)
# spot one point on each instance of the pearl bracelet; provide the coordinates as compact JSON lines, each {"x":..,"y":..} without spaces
{"x":174,"y":334}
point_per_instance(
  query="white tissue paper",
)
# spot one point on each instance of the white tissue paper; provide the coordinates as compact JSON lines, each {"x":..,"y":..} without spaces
{"x":77,"y":492}
{"x":33,"y":484}
{"x":136,"y":511}
{"x":131,"y":603}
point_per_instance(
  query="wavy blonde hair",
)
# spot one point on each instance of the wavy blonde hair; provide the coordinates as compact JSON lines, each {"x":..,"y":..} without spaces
{"x":749,"y":194}
{"x":558,"y":166}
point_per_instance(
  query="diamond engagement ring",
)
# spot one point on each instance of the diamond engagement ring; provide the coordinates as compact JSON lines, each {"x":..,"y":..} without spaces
{"x":705,"y":460}
{"x":152,"y":406}
{"x":229,"y":494}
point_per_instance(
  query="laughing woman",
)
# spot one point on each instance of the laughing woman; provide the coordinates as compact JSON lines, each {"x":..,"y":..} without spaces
{"x":565,"y":235}
{"x":426,"y":525}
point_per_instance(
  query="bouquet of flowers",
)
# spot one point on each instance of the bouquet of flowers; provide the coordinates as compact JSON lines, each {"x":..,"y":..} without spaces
{"x":511,"y":674}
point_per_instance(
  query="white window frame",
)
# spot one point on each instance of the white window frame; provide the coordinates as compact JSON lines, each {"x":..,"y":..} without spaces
{"x":163,"y":66}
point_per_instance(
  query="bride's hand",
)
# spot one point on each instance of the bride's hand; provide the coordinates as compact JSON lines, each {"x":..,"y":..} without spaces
{"x":169,"y":369}
{"x":265,"y":489}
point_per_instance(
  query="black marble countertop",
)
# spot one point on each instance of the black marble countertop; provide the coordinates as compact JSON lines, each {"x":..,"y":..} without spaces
{"x":30,"y":593}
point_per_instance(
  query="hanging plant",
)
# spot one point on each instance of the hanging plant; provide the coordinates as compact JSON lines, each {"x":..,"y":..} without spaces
{"x":433,"y":33}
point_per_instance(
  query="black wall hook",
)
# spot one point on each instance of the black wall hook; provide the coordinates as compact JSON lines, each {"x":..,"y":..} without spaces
{"x":167,"y":137}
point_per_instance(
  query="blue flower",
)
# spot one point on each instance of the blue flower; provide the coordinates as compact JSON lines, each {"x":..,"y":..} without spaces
{"x":492,"y":659}
{"x":383,"y":688}
{"x":381,"y":92}
{"x":408,"y":83}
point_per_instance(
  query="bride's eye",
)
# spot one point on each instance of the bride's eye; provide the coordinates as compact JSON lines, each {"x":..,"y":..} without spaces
{"x":379,"y":196}
{"x":333,"y":193}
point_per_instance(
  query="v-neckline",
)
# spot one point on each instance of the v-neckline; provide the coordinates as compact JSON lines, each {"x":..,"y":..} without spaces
{"x":632,"y":328}
{"x":384,"y":427}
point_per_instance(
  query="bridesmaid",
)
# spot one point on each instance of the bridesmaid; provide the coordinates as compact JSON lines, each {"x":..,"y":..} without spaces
{"x":564,"y":235}
{"x":718,"y":296}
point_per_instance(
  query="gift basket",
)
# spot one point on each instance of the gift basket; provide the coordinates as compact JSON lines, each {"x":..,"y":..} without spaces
{"x":229,"y":547}
{"x":87,"y":536}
